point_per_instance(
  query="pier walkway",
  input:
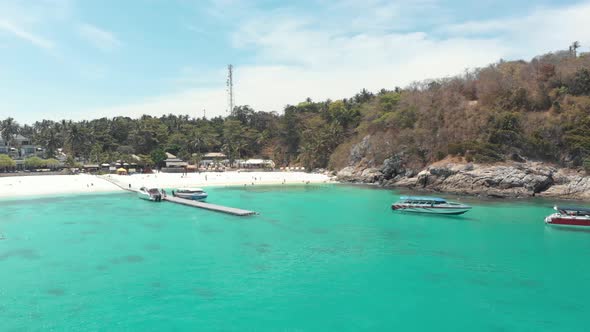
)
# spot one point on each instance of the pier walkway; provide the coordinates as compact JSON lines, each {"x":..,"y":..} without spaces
{"x":188,"y":202}
{"x":208,"y":206}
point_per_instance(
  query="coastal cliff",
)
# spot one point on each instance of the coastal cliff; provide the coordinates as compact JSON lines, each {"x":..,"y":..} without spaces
{"x":503,"y":180}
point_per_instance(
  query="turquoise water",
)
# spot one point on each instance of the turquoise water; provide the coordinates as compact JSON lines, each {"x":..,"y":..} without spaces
{"x":317,"y":258}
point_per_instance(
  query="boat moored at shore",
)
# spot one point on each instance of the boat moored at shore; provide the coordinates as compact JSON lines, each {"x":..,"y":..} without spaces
{"x":150,"y":194}
{"x":569,"y":216}
{"x":429,"y":205}
{"x":195,"y":194}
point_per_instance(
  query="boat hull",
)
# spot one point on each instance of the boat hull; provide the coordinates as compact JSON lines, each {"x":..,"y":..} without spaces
{"x":194,"y":197}
{"x":567,"y":221}
{"x":453,"y":211}
{"x":150,"y":197}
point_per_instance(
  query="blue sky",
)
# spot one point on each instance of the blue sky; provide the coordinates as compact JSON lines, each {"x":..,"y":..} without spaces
{"x":83,"y":59}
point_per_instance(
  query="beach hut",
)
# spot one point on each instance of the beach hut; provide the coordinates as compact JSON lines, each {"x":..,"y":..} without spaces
{"x":91,"y":168}
{"x":122,"y":171}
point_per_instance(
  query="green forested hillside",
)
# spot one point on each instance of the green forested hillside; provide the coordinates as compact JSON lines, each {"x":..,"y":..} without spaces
{"x":537,"y":110}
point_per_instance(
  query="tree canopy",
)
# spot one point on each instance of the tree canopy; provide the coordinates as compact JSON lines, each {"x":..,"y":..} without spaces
{"x":538,"y":109}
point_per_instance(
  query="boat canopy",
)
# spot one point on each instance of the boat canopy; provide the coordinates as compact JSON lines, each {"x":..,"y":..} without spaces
{"x":580,"y":210}
{"x":189,"y":189}
{"x":423,"y":198}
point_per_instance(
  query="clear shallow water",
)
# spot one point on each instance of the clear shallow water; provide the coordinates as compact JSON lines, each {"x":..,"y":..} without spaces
{"x":318,"y":258}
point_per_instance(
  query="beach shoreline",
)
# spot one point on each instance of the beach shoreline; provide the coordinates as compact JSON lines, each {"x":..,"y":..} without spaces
{"x":57,"y":185}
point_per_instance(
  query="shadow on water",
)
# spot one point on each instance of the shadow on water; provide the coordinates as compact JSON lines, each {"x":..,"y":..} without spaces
{"x":437,"y":216}
{"x":57,"y":199}
{"x":20,"y":253}
{"x":571,"y":229}
{"x":131,"y":259}
{"x":291,"y":187}
{"x":204,"y":292}
{"x":56,"y":291}
{"x":152,"y":246}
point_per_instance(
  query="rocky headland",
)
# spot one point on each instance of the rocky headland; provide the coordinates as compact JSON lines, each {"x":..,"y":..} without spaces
{"x":502,"y":180}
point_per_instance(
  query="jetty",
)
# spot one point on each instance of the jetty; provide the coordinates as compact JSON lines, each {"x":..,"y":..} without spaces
{"x":209,"y":206}
{"x":188,"y":202}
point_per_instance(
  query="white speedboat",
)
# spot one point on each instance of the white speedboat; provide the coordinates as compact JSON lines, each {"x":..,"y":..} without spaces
{"x":431,"y":205}
{"x":150,"y":194}
{"x":195,"y":194}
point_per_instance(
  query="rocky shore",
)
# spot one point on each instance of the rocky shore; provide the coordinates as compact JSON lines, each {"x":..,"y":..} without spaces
{"x":505,"y":180}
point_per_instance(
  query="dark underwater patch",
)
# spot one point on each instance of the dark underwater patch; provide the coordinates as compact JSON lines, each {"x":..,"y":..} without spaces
{"x":56,"y":292}
{"x":131,"y":259}
{"x":20,"y":253}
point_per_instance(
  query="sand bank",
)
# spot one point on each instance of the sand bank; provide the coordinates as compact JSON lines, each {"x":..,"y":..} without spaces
{"x":168,"y":180}
{"x":18,"y":186}
{"x":72,"y":184}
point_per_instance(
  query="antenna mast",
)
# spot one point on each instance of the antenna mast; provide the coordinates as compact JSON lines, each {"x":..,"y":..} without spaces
{"x":230,"y":87}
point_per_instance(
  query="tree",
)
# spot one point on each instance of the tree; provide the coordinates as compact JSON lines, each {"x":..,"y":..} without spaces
{"x":574,"y":48}
{"x":343,"y":114}
{"x":52,"y":163}
{"x":34,"y":162}
{"x":580,"y":83}
{"x":77,"y":139}
{"x":204,"y":138}
{"x":9,"y":129}
{"x":158,"y":156}
{"x":145,"y":160}
{"x":46,"y":134}
{"x":6,"y":162}
{"x":234,"y":139}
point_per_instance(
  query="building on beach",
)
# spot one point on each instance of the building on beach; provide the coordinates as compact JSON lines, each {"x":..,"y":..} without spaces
{"x":174,"y":164}
{"x":257,"y":164}
{"x":20,"y":147}
{"x":214,"y":160}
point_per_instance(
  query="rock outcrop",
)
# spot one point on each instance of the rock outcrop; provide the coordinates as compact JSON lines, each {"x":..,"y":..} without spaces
{"x":514,"y":179}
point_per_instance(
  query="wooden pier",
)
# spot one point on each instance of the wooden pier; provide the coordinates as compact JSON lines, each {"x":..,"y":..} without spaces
{"x":208,"y":206}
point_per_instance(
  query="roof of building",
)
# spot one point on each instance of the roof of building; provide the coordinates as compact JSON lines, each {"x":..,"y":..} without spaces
{"x":18,"y":137}
{"x":258,"y":161}
{"x":170,"y":155}
{"x":214,"y":155}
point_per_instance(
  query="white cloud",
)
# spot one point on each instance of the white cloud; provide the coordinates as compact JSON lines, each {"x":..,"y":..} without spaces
{"x":542,"y":30}
{"x":25,"y":35}
{"x":103,"y":40}
{"x":22,"y":18}
{"x":299,"y":56}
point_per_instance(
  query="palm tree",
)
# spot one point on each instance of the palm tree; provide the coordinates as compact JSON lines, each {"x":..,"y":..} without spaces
{"x":9,"y":129}
{"x":74,"y":137}
{"x":574,"y":48}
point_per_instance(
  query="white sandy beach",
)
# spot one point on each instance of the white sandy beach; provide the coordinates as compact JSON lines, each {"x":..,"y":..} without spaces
{"x":19,"y":186}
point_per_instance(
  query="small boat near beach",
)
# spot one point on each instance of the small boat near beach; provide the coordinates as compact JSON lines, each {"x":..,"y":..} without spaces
{"x":195,"y":194}
{"x":150,"y":194}
{"x":569,"y":216}
{"x":430,"y":205}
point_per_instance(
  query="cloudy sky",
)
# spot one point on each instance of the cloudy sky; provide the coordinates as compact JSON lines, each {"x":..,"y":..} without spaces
{"x":83,"y":59}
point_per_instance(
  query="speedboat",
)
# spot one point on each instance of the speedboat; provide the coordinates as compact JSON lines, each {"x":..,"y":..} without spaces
{"x":431,"y":205}
{"x":150,"y":194}
{"x":195,"y":194}
{"x":569,"y":216}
